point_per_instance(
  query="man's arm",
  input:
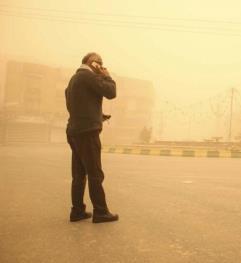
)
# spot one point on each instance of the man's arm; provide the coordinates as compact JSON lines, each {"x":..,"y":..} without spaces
{"x":104,"y":85}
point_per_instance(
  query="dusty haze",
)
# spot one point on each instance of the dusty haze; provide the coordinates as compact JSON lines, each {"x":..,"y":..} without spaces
{"x":170,"y":153}
{"x":189,"y":50}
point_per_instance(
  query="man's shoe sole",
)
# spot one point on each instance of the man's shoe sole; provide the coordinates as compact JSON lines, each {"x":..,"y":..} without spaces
{"x":80,"y":218}
{"x":104,"y":220}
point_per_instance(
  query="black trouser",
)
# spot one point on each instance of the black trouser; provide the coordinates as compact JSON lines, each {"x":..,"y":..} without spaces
{"x":86,"y":160}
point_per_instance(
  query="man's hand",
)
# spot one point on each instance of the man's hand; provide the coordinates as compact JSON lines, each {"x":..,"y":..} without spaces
{"x":104,"y":72}
{"x":105,"y":117}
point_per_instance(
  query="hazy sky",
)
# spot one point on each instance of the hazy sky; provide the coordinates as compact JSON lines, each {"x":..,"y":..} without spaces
{"x":184,"y":66}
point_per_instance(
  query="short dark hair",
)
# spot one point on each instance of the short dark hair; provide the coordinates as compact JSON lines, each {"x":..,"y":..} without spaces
{"x":86,"y":57}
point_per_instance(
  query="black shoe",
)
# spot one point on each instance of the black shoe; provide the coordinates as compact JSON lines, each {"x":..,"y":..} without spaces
{"x":76,"y":215}
{"x":102,"y":218}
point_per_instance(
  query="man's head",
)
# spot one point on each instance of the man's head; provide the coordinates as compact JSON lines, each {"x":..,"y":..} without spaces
{"x":92,"y":57}
{"x":97,"y":66}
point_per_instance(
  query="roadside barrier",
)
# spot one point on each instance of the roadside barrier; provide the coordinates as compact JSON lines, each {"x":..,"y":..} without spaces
{"x":182,"y":152}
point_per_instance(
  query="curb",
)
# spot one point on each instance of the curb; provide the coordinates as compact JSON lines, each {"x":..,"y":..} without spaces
{"x":209,"y":153}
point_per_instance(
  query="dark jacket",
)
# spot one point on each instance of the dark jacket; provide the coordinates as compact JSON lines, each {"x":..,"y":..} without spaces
{"x":84,"y":96}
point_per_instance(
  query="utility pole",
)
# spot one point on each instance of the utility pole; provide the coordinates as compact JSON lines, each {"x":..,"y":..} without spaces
{"x":231,"y":115}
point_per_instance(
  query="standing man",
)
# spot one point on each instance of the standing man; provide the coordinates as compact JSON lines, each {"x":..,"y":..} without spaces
{"x":84,"y":96}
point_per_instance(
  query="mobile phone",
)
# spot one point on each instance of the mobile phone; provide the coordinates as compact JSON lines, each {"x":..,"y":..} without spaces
{"x":95,"y":65}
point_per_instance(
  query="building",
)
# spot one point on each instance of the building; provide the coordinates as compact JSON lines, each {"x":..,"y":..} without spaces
{"x":33,"y":101}
{"x":131,"y":111}
{"x":35,"y":108}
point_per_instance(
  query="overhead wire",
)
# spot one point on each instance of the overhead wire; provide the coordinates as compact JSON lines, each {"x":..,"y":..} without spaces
{"x":122,"y":15}
{"x":123,"y":23}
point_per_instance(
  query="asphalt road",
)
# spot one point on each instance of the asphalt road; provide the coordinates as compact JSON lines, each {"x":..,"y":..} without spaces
{"x":172,"y":209}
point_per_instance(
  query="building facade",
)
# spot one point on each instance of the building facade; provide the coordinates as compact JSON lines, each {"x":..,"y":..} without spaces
{"x":35,"y":109}
{"x":131,"y":111}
